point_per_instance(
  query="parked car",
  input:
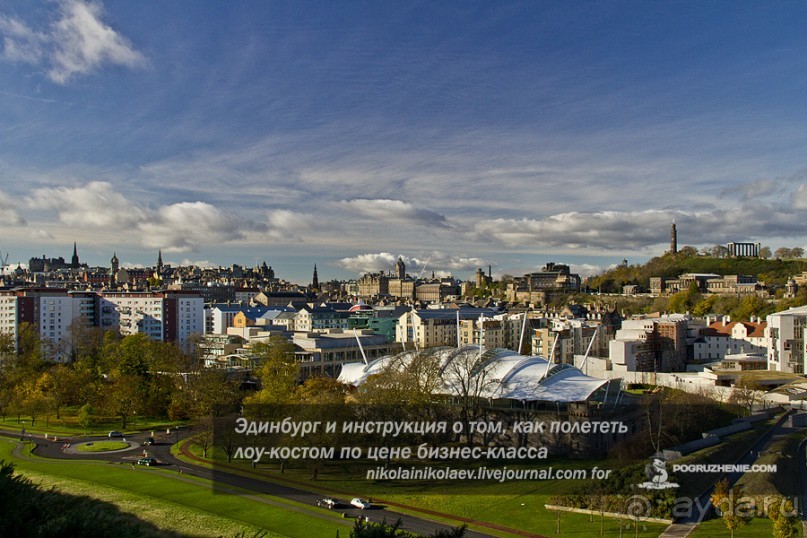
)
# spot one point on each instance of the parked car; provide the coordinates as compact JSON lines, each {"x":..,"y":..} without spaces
{"x":150,"y":441}
{"x":113,"y":433}
{"x":148,"y":462}
{"x":328,"y":503}
{"x":360,"y":503}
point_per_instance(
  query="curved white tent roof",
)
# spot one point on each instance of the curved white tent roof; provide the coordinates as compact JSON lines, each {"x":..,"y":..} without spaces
{"x":497,"y":374}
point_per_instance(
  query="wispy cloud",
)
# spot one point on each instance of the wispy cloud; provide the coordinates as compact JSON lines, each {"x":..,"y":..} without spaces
{"x":180,"y":227}
{"x":636,"y":230}
{"x":8,"y":212}
{"x":78,"y":42}
{"x":799,"y":198}
{"x":394,"y":211}
{"x":21,"y":43}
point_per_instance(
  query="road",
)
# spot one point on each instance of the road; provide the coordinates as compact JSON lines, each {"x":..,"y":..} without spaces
{"x":224,"y":481}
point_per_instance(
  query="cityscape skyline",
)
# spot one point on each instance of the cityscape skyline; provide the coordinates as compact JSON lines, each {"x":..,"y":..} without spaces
{"x":348,"y":135}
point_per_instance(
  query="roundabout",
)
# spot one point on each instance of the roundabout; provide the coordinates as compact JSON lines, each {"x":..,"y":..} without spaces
{"x":100,"y":447}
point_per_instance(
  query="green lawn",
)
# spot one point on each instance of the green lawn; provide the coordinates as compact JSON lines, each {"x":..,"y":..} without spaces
{"x":716,"y":528}
{"x":102,"y":446}
{"x":170,"y":500}
{"x":516,"y":504}
{"x":68,"y":424}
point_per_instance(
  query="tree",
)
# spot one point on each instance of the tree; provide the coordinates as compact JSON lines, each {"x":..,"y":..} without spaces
{"x":468,"y":377}
{"x":704,"y":306}
{"x":785,"y":519}
{"x":33,"y":397}
{"x":205,"y":436}
{"x":746,"y":393}
{"x":211,"y":392}
{"x":719,"y":251}
{"x":86,"y":416}
{"x":797,"y":252}
{"x":782,"y":253}
{"x":730,"y":504}
{"x":277,"y":370}
{"x":765,"y":253}
{"x":124,"y":397}
{"x":687,"y":252}
{"x":751,"y":306}
{"x":685,"y":301}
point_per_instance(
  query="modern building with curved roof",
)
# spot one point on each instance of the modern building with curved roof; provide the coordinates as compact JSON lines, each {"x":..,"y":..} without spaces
{"x":496,"y":374}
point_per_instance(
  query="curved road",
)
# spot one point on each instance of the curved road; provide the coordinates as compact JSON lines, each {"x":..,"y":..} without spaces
{"x":162,"y":452}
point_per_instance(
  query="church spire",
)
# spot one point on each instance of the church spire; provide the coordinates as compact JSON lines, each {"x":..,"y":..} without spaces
{"x":315,"y":281}
{"x":74,"y":262}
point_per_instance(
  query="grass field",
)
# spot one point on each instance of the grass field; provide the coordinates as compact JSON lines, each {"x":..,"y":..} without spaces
{"x":171,"y":501}
{"x":102,"y":446}
{"x":716,"y":528}
{"x":515,"y":504}
{"x":68,"y":424}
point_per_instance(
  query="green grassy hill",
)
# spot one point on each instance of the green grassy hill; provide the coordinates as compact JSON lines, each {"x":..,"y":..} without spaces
{"x":773,"y":272}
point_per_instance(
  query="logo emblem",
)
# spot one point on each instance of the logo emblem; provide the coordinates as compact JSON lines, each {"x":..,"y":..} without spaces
{"x":656,"y":472}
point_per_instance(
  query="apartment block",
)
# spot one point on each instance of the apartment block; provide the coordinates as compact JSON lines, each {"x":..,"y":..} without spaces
{"x":787,"y":332}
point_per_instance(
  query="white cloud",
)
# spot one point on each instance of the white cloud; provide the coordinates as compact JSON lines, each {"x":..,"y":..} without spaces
{"x":441,"y":263}
{"x":43,"y":234}
{"x":799,"y":198}
{"x":95,"y":204}
{"x":8,"y":212}
{"x":605,"y":230}
{"x":83,"y":43}
{"x":20,"y":43}
{"x":283,"y":225}
{"x":395,"y":210}
{"x":187,"y":225}
{"x":78,"y":42}
{"x":635,"y":230}
{"x":369,"y":263}
{"x":204,"y":264}
{"x":180,"y":227}
{"x":586,"y":270}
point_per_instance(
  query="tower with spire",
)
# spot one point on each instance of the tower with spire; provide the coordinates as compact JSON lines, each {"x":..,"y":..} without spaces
{"x":114,"y":265}
{"x":74,"y":263}
{"x":315,"y":281}
{"x":159,"y":264}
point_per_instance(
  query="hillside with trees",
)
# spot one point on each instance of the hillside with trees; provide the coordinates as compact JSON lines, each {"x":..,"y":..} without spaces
{"x":773,"y":272}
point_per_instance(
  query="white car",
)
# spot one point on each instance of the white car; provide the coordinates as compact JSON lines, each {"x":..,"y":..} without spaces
{"x":360,"y":503}
{"x":328,"y":503}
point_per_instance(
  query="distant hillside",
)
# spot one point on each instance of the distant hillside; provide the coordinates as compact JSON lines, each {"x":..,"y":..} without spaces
{"x":773,"y":272}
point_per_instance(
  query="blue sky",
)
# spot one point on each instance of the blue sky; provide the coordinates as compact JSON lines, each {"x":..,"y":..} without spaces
{"x":455,"y":134}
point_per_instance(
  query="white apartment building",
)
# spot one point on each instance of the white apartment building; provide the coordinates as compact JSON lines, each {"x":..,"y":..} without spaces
{"x":8,"y":315}
{"x":786,"y":332}
{"x":566,"y":338}
{"x":163,"y":316}
{"x":726,"y":337}
{"x":422,"y":329}
{"x":49,"y":311}
{"x":55,"y":317}
{"x":650,"y":344}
